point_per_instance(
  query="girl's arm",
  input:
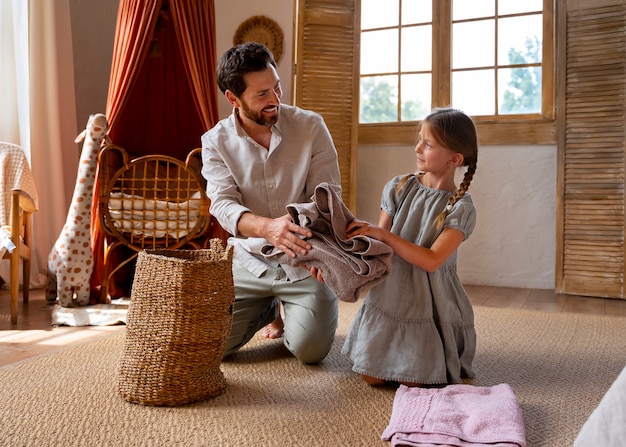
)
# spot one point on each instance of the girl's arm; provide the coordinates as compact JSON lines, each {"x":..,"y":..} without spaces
{"x":429,"y":259}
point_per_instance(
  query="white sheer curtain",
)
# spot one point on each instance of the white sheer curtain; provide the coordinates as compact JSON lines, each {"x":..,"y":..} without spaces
{"x":38,"y":109}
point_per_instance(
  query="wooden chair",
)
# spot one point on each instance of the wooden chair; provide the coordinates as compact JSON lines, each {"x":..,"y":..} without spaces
{"x":150,"y":202}
{"x":18,"y":201}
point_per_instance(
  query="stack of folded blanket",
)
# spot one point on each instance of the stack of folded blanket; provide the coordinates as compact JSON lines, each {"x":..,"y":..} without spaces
{"x":457,"y":415}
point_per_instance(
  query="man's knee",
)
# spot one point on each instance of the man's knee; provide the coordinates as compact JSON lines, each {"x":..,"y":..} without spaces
{"x":310,"y":350}
{"x":312,"y":342}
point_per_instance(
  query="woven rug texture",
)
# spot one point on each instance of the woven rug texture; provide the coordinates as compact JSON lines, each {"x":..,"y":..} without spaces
{"x":559,"y":365}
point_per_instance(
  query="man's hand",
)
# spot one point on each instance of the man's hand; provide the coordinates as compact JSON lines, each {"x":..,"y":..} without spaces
{"x":285,"y":235}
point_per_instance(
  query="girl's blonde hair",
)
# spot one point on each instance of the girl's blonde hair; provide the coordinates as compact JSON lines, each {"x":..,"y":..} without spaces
{"x":456,"y":131}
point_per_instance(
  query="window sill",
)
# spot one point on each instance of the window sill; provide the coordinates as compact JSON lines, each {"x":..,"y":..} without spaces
{"x":514,"y":132}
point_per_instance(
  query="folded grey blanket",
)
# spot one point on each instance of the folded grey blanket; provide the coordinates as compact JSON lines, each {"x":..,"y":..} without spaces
{"x":350,"y":266}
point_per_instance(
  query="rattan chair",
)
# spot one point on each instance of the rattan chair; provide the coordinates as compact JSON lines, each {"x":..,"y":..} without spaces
{"x":150,"y":202}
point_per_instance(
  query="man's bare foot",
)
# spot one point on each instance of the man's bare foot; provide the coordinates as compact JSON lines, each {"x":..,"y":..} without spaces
{"x":275,"y":329}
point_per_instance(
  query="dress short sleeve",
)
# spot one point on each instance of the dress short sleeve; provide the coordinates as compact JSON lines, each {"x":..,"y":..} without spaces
{"x":390,"y":201}
{"x":462,"y":217}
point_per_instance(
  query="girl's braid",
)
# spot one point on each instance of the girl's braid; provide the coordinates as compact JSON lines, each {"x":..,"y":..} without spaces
{"x":459,"y":193}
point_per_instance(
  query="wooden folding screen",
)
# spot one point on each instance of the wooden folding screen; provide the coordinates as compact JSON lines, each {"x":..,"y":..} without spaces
{"x":326,"y":81}
{"x":592,"y":148}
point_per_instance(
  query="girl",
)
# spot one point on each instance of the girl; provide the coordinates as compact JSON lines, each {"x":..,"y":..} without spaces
{"x":417,"y":327}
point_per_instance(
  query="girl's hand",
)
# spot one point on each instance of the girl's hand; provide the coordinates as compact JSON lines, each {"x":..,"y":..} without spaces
{"x":361,"y":227}
{"x":355,"y":227}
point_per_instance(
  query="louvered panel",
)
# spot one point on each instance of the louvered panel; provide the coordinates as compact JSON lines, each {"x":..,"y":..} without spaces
{"x":326,"y":64}
{"x":594,"y":153}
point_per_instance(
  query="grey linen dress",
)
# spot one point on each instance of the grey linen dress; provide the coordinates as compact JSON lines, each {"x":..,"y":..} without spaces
{"x":417,"y":326}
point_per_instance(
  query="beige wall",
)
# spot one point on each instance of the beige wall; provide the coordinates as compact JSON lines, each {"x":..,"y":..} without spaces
{"x":514,"y":188}
{"x":93,"y":30}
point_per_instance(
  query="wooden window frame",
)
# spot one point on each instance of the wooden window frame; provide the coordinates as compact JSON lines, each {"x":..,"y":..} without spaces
{"x":492,"y":130}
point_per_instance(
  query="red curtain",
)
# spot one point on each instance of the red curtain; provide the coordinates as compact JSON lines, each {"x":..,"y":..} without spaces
{"x":162,"y":89}
{"x":133,"y":34}
{"x":197,"y":42}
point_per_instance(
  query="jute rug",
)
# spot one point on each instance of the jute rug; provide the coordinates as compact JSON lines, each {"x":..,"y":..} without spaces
{"x":560,"y":366}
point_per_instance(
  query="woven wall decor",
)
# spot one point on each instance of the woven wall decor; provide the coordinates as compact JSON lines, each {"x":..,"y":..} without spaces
{"x":263,"y":30}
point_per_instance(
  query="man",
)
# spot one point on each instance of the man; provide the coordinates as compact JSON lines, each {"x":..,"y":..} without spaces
{"x":261,"y":158}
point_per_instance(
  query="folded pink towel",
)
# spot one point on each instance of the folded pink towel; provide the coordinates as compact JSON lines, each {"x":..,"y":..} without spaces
{"x":457,"y":415}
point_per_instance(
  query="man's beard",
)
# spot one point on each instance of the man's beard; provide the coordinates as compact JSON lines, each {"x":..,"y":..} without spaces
{"x":257,"y":117}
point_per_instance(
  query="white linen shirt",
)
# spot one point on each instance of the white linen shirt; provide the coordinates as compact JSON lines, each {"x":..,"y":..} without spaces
{"x":242,"y":176}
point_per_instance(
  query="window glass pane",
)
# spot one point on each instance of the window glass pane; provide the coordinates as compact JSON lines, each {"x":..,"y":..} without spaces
{"x":373,"y":16}
{"x":379,"y":51}
{"x":379,"y":99}
{"x":416,"y":48}
{"x":416,"y":96}
{"x":417,"y":11}
{"x":473,"y":44}
{"x":464,"y":9}
{"x":495,"y":57}
{"x":474,"y":91}
{"x":519,"y":40}
{"x":517,"y":6}
{"x":519,"y":90}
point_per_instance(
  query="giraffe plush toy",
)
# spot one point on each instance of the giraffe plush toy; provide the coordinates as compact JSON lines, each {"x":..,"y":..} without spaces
{"x":70,"y":261}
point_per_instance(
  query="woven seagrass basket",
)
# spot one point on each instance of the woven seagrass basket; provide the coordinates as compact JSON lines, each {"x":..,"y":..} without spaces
{"x":178,"y":321}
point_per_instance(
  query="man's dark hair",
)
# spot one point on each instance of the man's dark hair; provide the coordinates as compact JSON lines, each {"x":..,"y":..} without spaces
{"x":238,"y":61}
